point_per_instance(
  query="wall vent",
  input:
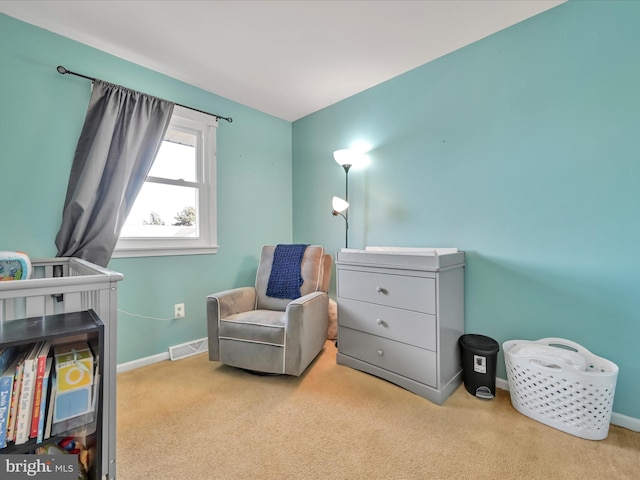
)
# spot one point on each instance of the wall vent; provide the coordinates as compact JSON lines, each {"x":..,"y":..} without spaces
{"x":188,"y":349}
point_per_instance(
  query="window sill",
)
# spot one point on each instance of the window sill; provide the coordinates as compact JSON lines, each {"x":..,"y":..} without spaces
{"x":163,"y":251}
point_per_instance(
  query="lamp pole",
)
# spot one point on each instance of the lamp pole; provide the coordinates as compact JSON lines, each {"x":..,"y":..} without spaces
{"x":346,"y":167}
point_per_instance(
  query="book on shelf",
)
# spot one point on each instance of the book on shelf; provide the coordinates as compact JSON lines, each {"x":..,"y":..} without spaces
{"x":73,"y":366}
{"x":7,"y":377}
{"x":15,"y":395}
{"x":73,"y":375}
{"x":46,"y":399}
{"x":30,"y":395}
{"x":82,"y":421}
{"x":7,"y":354}
{"x":23,"y":419}
{"x":49,"y":421}
{"x":41,"y":365}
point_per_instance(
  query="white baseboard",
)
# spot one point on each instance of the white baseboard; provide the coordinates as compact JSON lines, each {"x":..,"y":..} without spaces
{"x":616,"y":418}
{"x":502,"y":384}
{"x":142,"y":362}
{"x":625,"y":421}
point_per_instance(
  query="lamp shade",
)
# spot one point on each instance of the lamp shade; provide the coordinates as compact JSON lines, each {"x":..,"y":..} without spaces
{"x":339,"y":205}
{"x":348,"y":156}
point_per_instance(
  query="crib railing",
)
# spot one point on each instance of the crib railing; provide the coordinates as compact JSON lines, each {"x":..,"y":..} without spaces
{"x":59,"y":285}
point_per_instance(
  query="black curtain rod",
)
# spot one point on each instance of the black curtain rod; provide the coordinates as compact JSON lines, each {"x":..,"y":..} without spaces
{"x":62,"y":70}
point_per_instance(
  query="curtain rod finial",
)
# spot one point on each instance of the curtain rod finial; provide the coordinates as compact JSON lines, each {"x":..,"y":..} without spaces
{"x":62,"y":70}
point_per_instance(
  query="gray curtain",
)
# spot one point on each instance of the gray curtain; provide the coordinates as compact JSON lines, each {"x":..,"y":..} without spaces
{"x":122,"y":133}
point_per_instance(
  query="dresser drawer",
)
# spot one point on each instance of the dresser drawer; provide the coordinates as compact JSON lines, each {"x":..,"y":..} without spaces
{"x":407,"y":292}
{"x":412,"y":362}
{"x":406,"y":326}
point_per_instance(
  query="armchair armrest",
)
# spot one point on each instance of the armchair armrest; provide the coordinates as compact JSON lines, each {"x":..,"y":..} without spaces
{"x":230,"y":302}
{"x":306,"y":299}
{"x":313,"y":307}
{"x":307,"y":319}
{"x":223,"y":304}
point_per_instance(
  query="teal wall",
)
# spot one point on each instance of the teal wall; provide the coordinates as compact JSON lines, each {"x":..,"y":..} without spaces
{"x":522,"y":150}
{"x":41,"y":115}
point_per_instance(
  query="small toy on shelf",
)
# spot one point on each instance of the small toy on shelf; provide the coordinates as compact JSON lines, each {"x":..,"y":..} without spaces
{"x":70,"y":446}
{"x":14,"y":266}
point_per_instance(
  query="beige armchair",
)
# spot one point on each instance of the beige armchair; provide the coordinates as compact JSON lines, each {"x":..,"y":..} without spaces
{"x":250,"y":330}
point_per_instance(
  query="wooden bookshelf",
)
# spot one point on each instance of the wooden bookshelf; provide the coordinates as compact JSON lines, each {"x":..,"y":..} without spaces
{"x":61,"y":329}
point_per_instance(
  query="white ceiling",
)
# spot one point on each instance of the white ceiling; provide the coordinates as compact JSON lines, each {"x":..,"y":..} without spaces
{"x":287,"y":58}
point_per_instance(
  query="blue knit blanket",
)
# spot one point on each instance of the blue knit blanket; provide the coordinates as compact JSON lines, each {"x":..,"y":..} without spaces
{"x":285,"y":279}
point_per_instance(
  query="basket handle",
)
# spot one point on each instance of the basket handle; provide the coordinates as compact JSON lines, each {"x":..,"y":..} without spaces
{"x":548,"y":363}
{"x":564,"y":343}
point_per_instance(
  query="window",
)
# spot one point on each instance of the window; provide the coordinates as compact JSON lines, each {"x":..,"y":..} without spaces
{"x":174,"y":213}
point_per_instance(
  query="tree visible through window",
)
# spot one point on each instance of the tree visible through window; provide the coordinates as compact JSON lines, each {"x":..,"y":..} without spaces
{"x":186,"y":217}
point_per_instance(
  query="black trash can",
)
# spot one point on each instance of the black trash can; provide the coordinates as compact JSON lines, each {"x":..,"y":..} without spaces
{"x":479,"y":358}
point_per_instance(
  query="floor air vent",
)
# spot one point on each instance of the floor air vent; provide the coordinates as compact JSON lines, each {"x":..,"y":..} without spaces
{"x":187,"y":349}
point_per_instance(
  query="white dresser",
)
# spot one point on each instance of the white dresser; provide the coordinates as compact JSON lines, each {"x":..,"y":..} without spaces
{"x":400,"y":317}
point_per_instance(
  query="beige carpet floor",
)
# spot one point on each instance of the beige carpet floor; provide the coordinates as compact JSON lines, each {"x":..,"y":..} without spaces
{"x":199,"y":420}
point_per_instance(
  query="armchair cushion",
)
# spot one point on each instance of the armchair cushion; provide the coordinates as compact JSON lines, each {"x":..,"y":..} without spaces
{"x":311,"y":270}
{"x":266,"y":326}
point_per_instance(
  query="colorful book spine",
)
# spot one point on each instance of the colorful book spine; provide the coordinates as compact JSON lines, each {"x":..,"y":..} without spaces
{"x":15,"y":396}
{"x":43,"y":353}
{"x":6,"y":388}
{"x":23,"y":420}
{"x":7,"y":355}
{"x":43,"y":403}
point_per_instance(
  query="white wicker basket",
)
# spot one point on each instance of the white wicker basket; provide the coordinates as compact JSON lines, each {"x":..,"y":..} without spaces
{"x":561,"y":384}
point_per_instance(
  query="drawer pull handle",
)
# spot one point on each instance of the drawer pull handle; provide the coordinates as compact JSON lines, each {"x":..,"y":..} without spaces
{"x":381,"y":290}
{"x":379,"y":321}
{"x":380,"y":353}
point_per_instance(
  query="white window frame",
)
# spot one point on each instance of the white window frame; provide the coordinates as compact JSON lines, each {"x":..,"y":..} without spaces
{"x":205,"y":128}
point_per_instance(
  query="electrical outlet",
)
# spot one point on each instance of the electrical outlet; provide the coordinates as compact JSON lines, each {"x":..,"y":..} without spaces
{"x":178,"y":310}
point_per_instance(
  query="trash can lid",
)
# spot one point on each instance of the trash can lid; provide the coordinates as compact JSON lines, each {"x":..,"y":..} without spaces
{"x":479,"y":343}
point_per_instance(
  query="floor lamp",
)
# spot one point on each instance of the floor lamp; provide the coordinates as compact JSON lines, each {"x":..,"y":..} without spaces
{"x":339,"y":206}
{"x":346,"y":158}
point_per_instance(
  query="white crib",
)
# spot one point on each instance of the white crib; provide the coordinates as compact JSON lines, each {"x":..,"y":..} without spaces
{"x":65,"y":285}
